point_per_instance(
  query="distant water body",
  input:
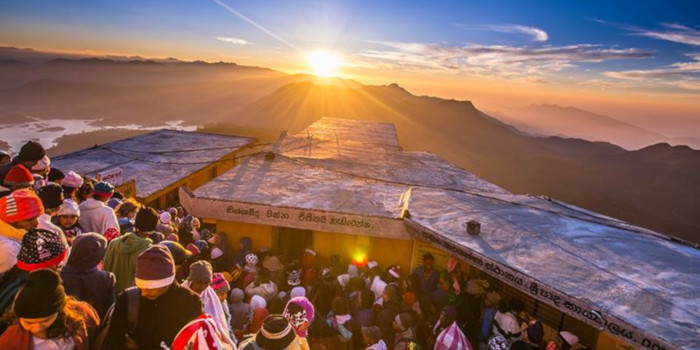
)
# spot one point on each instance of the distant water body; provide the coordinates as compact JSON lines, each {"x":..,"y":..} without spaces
{"x":47,"y":131}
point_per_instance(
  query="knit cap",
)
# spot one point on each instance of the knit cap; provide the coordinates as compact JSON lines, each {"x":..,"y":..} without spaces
{"x":297,"y":292}
{"x":103,"y":189}
{"x":146,"y":219}
{"x":165,"y":217}
{"x":40,"y":249}
{"x":219,"y":283}
{"x":275,"y":334}
{"x":299,"y":310}
{"x":56,"y":175}
{"x":69,"y":207}
{"x":87,"y":252}
{"x":193,"y":248}
{"x":251,"y":259}
{"x":20,"y":205}
{"x":51,"y":196}
{"x":293,"y":278}
{"x":155,"y":268}
{"x":41,"y":165}
{"x":42,"y":296}
{"x":395,"y":271}
{"x":180,"y":254}
{"x":404,"y":321}
{"x":200,"y":271}
{"x":237,"y":295}
{"x":72,"y":180}
{"x":18,"y":176}
{"x":535,"y":331}
{"x":111,"y":233}
{"x":32,"y":151}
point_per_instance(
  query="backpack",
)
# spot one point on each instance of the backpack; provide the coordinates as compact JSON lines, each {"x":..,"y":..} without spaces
{"x":132,"y":315}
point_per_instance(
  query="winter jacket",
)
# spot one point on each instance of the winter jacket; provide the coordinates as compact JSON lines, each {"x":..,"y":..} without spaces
{"x":10,"y":242}
{"x":94,"y":287}
{"x":10,"y":283}
{"x":96,"y":216}
{"x":158,"y":320}
{"x":121,"y":258}
{"x":385,"y":320}
{"x":17,"y":338}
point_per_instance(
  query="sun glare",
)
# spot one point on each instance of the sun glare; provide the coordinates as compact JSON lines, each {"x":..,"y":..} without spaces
{"x":324,"y":63}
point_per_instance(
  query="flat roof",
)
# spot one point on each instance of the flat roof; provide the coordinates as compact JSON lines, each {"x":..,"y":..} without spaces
{"x":633,"y":283}
{"x":156,"y":159}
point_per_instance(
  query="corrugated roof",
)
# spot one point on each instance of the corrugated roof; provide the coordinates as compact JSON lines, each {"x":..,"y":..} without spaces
{"x":156,"y":159}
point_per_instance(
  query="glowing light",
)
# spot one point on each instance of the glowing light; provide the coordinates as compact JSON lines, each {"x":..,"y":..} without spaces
{"x":324,"y":63}
{"x":359,"y":259}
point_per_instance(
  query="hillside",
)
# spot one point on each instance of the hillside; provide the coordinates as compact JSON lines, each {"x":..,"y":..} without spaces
{"x":655,"y":186}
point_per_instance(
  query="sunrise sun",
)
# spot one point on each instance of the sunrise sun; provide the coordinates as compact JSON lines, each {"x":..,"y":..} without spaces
{"x":324,"y":63}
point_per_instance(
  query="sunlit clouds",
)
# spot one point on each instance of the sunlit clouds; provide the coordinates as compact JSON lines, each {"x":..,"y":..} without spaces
{"x":234,"y":41}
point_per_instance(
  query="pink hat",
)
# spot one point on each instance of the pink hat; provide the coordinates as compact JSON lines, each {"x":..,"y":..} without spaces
{"x":72,"y":180}
{"x":219,"y":283}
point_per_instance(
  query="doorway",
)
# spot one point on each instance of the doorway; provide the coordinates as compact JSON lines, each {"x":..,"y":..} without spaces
{"x":290,"y":243}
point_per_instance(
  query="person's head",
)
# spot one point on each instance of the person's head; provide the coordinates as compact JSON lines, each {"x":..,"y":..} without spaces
{"x":5,"y":157}
{"x":200,"y":276}
{"x":535,"y":332}
{"x":41,"y":249}
{"x":195,"y":223}
{"x":127,"y":209}
{"x":428,"y":261}
{"x":493,"y":299}
{"x":245,"y":244}
{"x":51,"y":197}
{"x":371,"y":335}
{"x":391,"y":293}
{"x":68,"y":213}
{"x":403,"y":322}
{"x":447,"y":315}
{"x":220,"y":285}
{"x":180,"y":253}
{"x":42,"y":167}
{"x":56,"y":176}
{"x":85,"y":190}
{"x":155,"y":271}
{"x":275,"y":334}
{"x":43,"y":308}
{"x":18,"y":178}
{"x":103,"y":191}
{"x":366,"y":299}
{"x":30,"y":154}
{"x":146,"y":220}
{"x":237,"y":296}
{"x":88,"y":251}
{"x":300,"y":314}
{"x":21,"y":209}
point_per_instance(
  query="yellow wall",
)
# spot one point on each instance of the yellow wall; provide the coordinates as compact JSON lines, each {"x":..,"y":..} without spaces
{"x":606,"y":341}
{"x":260,"y":234}
{"x":385,"y":251}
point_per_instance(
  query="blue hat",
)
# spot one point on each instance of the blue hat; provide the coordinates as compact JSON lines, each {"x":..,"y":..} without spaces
{"x":103,"y":189}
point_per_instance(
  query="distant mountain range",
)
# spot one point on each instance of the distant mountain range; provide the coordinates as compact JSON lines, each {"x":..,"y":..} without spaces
{"x":655,"y":186}
{"x":554,"y":120}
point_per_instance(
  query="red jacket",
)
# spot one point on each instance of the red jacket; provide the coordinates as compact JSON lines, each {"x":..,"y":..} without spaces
{"x":17,"y":338}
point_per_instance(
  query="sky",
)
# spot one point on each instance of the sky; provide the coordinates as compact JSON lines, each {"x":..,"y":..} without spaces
{"x":630,"y":59}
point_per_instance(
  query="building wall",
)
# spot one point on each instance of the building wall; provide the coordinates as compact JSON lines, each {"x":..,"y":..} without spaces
{"x":260,"y":234}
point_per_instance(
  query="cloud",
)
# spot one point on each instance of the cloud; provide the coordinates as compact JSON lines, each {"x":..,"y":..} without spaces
{"x":489,"y":60}
{"x":535,"y":33}
{"x":673,"y":32}
{"x":234,"y":41}
{"x":682,"y":75}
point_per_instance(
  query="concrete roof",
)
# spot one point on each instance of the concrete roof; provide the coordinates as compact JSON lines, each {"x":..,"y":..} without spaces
{"x":156,"y":159}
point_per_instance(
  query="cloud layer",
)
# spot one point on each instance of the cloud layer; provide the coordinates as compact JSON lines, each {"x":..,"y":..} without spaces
{"x":536,"y":34}
{"x":234,"y":41}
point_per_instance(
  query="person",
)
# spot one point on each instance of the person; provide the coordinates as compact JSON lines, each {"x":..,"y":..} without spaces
{"x":262,"y":286}
{"x":70,"y":185}
{"x":310,"y":270}
{"x":372,"y":338}
{"x":275,"y":334}
{"x":570,"y":341}
{"x":86,"y":190}
{"x":123,"y":252}
{"x":67,"y":219}
{"x":241,"y":313}
{"x":391,"y":308}
{"x":164,"y":306}
{"x":493,"y":299}
{"x":250,"y":270}
{"x":428,"y":277}
{"x":221,"y":287}
{"x":126,"y":214}
{"x":53,"y":250}
{"x":56,"y":176}
{"x":199,"y":281}
{"x":245,"y":245}
{"x":96,"y":216}
{"x":201,"y":333}
{"x":505,"y":321}
{"x":363,"y":316}
{"x":376,"y":284}
{"x":300,"y":313}
{"x":532,"y":337}
{"x":450,"y":337}
{"x":403,"y":324}
{"x":19,"y":212}
{"x":51,"y":197}
{"x":30,"y":154}
{"x":44,"y":317}
{"x":338,"y":322}
{"x":5,"y":157}
{"x":18,"y":178}
{"x":82,"y":277}
{"x":165,"y":226}
{"x":259,"y":307}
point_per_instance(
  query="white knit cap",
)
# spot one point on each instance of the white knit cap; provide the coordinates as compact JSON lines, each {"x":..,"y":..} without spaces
{"x":216,"y":253}
{"x":568,"y":337}
{"x":69,"y":207}
{"x":165,"y":217}
{"x":42,"y":164}
{"x":372,"y":264}
{"x":297,"y":292}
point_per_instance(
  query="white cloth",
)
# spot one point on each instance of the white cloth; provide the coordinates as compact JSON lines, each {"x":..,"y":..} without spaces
{"x":380,"y":345}
{"x":212,"y":306}
{"x":95,"y":216}
{"x":46,"y":224}
{"x":377,"y":287}
{"x":53,"y":344}
{"x":9,"y":248}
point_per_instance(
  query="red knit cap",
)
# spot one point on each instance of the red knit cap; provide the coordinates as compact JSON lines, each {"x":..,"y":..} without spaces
{"x":20,"y":205}
{"x":19,"y":176}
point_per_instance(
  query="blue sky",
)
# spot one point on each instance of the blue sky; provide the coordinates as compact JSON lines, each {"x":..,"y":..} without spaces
{"x":630,"y":47}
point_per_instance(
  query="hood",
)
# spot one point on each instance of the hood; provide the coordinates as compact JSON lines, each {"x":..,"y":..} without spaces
{"x":90,"y":204}
{"x":131,"y":243}
{"x":9,"y":231}
{"x":88,"y":251}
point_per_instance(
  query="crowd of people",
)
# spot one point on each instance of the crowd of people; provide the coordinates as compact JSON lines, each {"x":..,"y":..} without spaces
{"x":82,"y":267}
